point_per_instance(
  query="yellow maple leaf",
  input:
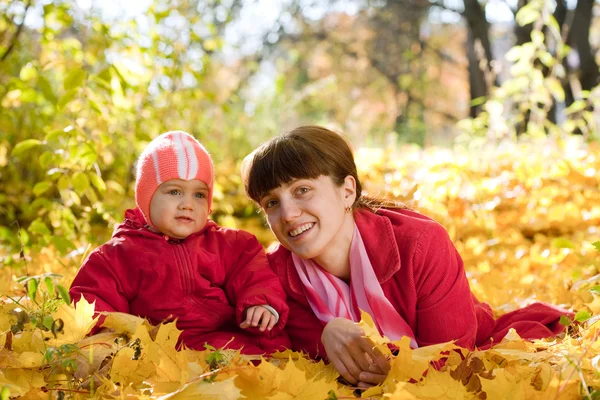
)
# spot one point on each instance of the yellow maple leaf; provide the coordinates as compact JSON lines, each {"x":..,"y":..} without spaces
{"x":26,"y":341}
{"x":77,"y":322}
{"x":371,"y":333}
{"x":127,"y":368}
{"x":222,"y":390}
{"x":317,"y":370}
{"x":122,"y":322}
{"x":21,"y":381}
{"x":436,"y":385}
{"x":257,"y":382}
{"x":292,"y":381}
{"x":524,"y":384}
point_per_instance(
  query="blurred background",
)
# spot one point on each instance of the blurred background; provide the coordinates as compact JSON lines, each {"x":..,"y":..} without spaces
{"x":84,"y":85}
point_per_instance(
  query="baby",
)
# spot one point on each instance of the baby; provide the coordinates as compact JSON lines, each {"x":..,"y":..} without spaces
{"x":167,"y":260}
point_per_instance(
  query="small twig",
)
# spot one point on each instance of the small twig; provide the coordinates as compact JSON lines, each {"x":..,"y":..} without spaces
{"x":96,"y":343}
{"x":69,"y":390}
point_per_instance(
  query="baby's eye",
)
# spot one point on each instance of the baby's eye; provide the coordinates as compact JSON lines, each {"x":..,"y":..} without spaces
{"x":200,"y":195}
{"x":174,"y":192}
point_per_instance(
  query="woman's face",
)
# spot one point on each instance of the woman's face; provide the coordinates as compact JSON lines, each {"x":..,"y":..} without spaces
{"x":308,"y":216}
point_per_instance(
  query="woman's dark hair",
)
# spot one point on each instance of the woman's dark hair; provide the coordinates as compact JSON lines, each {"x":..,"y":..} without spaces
{"x":306,"y":152}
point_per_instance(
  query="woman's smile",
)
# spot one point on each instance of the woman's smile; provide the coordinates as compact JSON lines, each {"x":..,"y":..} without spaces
{"x":301,"y":230}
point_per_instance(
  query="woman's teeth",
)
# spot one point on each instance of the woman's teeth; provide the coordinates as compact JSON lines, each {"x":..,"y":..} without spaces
{"x":301,"y":229}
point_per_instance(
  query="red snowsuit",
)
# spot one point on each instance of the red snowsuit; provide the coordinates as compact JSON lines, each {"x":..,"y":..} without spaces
{"x":205,"y":281}
{"x":422,"y":275}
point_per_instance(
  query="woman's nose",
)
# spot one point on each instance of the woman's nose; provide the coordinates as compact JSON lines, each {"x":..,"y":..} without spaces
{"x":289,"y":210}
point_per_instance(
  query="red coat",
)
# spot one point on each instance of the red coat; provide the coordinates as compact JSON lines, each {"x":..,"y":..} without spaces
{"x":422,"y":275}
{"x":205,"y":281}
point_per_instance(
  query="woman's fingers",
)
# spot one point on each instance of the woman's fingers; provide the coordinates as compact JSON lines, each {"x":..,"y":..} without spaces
{"x":364,"y":385}
{"x":381,"y":361}
{"x":347,"y":367}
{"x":376,"y":356}
{"x":371,"y":378}
{"x":357,"y":353}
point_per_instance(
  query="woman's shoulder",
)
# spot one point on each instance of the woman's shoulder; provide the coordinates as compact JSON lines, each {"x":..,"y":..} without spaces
{"x":279,"y":257}
{"x":405,"y":223}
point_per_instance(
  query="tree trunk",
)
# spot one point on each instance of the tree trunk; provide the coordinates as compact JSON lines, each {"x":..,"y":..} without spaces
{"x":478,"y":32}
{"x":579,"y":39}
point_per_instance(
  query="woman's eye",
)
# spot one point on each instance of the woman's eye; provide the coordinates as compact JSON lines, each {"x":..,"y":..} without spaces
{"x":302,"y":190}
{"x":270,"y":203}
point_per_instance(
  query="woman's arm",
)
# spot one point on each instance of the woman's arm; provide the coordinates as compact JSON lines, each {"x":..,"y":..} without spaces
{"x":445,"y":308}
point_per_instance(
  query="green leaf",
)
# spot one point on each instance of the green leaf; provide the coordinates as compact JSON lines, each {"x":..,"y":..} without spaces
{"x":38,"y":227}
{"x":5,"y":393}
{"x":582,"y":316}
{"x":63,"y":183}
{"x":62,"y":245}
{"x":527,"y":14}
{"x":28,"y":72}
{"x":75,"y":79}
{"x":97,"y":181}
{"x":24,"y":146}
{"x":23,"y":236}
{"x":556,"y":89}
{"x":562,"y":243}
{"x":576,"y":106}
{"x":80,"y":182}
{"x":48,"y":321}
{"x":32,"y":286}
{"x":41,"y":187}
{"x":47,"y":90}
{"x":596,"y":245}
{"x":595,"y":290}
{"x":64,"y":294}
{"x":46,"y":159}
{"x":66,"y":98}
{"x":564,"y":320}
{"x":50,"y":286}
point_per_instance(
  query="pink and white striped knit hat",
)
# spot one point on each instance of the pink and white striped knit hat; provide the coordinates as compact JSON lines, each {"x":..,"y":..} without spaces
{"x":172,"y":155}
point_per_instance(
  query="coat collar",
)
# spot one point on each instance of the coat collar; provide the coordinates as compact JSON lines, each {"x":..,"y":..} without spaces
{"x":380,"y":242}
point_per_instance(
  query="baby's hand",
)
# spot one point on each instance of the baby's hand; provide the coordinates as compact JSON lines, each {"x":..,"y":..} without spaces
{"x":256,"y":315}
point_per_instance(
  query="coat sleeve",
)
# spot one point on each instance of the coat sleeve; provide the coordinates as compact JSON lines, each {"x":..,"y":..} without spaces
{"x":251,"y":282}
{"x":103,"y":282}
{"x":305,"y":330}
{"x":445,"y":309}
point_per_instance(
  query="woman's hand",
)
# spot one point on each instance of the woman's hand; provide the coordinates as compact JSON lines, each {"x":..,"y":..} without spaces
{"x":256,"y":315}
{"x":353,"y":355}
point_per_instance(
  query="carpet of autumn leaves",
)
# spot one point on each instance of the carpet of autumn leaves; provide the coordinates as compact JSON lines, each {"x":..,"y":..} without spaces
{"x":525,"y":218}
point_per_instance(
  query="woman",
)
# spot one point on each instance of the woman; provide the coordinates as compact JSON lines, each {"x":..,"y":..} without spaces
{"x":340,"y":252}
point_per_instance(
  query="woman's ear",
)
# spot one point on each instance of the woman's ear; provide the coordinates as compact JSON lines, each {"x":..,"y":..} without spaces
{"x":350,"y":189}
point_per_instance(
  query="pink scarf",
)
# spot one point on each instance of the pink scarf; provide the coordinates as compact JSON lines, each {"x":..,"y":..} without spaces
{"x":331,"y":297}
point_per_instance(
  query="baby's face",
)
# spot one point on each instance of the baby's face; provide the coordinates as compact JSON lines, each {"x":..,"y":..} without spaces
{"x":179,"y":208}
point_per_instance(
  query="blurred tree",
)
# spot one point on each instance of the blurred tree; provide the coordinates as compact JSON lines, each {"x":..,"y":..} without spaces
{"x":397,"y":41}
{"x":387,"y":53}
